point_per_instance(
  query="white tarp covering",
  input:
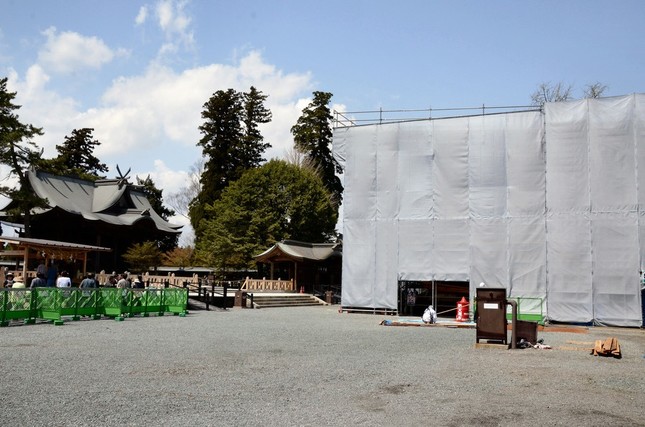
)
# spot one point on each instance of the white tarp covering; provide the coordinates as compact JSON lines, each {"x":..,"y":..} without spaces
{"x":548,"y":205}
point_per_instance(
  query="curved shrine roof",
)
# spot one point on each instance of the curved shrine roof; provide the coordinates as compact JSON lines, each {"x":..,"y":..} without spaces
{"x":113,"y":201}
{"x":300,"y":251}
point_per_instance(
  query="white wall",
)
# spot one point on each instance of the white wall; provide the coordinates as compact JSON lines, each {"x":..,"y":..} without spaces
{"x":547,"y":205}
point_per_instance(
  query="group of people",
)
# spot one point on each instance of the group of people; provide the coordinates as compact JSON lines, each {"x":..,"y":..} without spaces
{"x":13,"y":282}
{"x":49,"y":277}
{"x":124,"y":281}
{"x":40,"y":281}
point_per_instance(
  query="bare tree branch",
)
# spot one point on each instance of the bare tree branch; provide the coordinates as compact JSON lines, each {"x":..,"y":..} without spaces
{"x":595,"y":90}
{"x":181,"y":200}
{"x":547,"y":92}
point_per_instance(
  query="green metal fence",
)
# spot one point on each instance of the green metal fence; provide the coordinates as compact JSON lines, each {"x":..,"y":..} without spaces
{"x":56,"y":303}
{"x":529,"y":309}
{"x":16,"y":304}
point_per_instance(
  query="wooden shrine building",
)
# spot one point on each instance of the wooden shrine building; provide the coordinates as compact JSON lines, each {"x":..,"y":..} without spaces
{"x":107,"y":213}
{"x":314,"y":267}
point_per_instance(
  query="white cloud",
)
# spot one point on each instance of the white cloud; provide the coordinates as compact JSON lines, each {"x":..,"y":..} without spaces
{"x":175,"y":24}
{"x":43,"y":108}
{"x":172,"y":18}
{"x":156,"y":115}
{"x":69,"y":51}
{"x":149,"y":121}
{"x":165,"y":178}
{"x":162,"y":107}
{"x":142,"y":15}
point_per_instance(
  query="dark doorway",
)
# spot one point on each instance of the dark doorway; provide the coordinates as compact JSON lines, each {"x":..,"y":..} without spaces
{"x":416,"y":296}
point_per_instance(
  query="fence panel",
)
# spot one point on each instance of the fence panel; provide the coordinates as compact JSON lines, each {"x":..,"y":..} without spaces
{"x":154,"y":300}
{"x":528,"y":309}
{"x":175,"y":301}
{"x":88,"y":302}
{"x":16,"y":305}
{"x":112,"y":302}
{"x":137,"y":301}
{"x":48,"y":303}
{"x":54,"y":303}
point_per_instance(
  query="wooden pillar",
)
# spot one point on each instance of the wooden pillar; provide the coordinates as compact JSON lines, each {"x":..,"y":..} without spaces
{"x":271,"y":276}
{"x":25,"y":261}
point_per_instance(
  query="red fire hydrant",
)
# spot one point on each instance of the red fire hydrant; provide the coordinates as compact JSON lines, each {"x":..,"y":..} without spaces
{"x":462,"y":310}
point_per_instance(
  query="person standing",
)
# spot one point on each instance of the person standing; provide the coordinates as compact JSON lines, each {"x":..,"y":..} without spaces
{"x":123,"y":282}
{"x":18,"y":283}
{"x":8,"y":281}
{"x":18,"y":298}
{"x":52,"y":274}
{"x":42,"y":268}
{"x":138,"y":282}
{"x":38,"y":281}
{"x":89,"y":281}
{"x":64,"y":281}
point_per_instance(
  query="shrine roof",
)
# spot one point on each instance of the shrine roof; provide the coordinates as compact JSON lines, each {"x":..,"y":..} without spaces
{"x":114,"y":201}
{"x":300,"y":251}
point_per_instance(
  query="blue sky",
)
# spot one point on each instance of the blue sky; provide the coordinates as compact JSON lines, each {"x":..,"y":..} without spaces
{"x":139,"y":72}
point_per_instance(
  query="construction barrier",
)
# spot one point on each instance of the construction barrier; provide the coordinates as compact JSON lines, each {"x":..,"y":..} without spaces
{"x":55,"y":303}
{"x":528,"y":309}
{"x":17,"y":304}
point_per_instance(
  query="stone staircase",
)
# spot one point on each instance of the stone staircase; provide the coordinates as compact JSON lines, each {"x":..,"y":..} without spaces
{"x":261,"y":300}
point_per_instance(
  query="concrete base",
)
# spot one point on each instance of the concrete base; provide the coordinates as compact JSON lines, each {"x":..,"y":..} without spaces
{"x":492,"y":346}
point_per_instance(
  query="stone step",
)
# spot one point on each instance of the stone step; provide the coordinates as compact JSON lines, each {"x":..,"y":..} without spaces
{"x":270,"y":305}
{"x":256,"y":299}
{"x":287,"y":300}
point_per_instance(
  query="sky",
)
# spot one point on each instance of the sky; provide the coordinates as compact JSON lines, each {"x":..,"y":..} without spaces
{"x":139,"y":72}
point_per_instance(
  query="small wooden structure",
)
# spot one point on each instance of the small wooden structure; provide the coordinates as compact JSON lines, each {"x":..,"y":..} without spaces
{"x":309,"y":266}
{"x":44,"y":251}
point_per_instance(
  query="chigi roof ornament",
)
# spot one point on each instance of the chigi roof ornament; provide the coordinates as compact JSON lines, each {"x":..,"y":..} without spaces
{"x":123,"y":178}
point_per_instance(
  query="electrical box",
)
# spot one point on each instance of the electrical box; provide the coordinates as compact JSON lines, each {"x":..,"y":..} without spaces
{"x":491,"y":315}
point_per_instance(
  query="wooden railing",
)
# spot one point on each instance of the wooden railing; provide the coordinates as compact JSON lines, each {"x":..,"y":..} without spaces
{"x":192,"y":282}
{"x":154,"y":281}
{"x":268,"y":285}
{"x":170,"y":279}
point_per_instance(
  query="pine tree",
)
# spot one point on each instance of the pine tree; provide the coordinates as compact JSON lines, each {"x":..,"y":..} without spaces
{"x":255,"y":113}
{"x":155,"y":197}
{"x":312,"y":135}
{"x":231,"y":144}
{"x":75,"y":157}
{"x":18,"y":151}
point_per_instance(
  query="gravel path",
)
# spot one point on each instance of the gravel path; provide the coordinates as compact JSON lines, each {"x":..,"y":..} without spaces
{"x":308,"y":366}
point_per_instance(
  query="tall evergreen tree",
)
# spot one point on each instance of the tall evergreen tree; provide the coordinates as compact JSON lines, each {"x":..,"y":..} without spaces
{"x":155,"y":197}
{"x":231,"y":144}
{"x":18,"y":152}
{"x":220,"y":142}
{"x":76,"y":158}
{"x":312,"y":135}
{"x":255,"y":113}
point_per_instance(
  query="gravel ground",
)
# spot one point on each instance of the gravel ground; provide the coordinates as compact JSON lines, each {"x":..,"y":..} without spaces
{"x":309,"y":366}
